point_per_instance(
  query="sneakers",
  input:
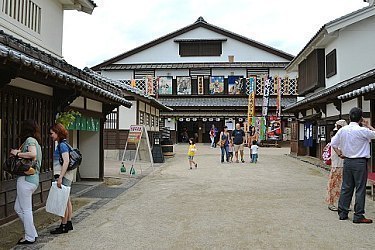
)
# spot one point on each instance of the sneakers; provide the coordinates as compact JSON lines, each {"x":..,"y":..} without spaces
{"x":363,"y":220}
{"x":242,"y":160}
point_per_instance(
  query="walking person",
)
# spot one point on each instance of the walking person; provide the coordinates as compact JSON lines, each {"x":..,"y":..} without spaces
{"x":352,"y":143}
{"x":26,"y":185}
{"x":238,"y":136}
{"x":62,"y":176}
{"x":254,"y":152}
{"x":224,"y":144}
{"x":335,"y":175}
{"x":230,"y":150}
{"x":191,"y":154}
{"x":213,"y":132}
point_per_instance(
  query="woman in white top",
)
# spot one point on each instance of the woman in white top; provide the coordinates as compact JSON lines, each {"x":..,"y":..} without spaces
{"x":335,"y":175}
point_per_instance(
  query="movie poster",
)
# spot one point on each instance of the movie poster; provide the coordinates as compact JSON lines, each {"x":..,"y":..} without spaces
{"x":216,"y":85}
{"x":235,"y":85}
{"x":274,"y":129}
{"x":165,"y":85}
{"x":183,"y":85}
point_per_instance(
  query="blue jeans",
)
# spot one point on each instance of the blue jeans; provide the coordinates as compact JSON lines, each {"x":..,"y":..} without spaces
{"x":225,"y":150}
{"x":254,"y":158}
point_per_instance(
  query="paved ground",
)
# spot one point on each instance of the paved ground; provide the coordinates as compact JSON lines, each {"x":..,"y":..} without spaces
{"x":277,"y":203}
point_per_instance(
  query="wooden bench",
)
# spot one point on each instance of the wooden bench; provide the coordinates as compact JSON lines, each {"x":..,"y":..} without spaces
{"x":371,"y":181}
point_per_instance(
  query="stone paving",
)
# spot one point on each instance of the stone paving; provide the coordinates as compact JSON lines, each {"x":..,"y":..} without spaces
{"x":276,"y":203}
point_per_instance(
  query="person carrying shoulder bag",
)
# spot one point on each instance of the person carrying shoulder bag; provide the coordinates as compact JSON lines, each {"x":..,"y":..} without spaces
{"x":26,"y":185}
{"x":224,"y":144}
{"x":62,"y":176}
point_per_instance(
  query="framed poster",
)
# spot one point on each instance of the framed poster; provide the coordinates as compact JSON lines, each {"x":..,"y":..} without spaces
{"x":150,"y":85}
{"x":183,"y":85}
{"x":165,"y":85}
{"x":216,"y":85}
{"x":235,"y":85}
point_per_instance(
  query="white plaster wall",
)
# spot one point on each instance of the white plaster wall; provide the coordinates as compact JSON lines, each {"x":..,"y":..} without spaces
{"x":353,"y":60}
{"x":168,"y":51}
{"x":50,"y":37}
{"x":365,"y":105}
{"x":301,"y":131}
{"x":94,"y":105}
{"x":79,"y":102}
{"x":309,"y":112}
{"x":118,"y":74}
{"x":347,"y":106}
{"x":228,"y":72}
{"x":331,"y":110}
{"x":128,"y":116}
{"x":279,"y":72}
{"x":89,"y":147}
{"x":32,"y":86}
{"x":172,"y":72}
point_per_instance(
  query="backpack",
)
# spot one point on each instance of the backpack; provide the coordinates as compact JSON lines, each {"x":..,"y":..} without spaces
{"x":326,"y":155}
{"x":75,"y":157}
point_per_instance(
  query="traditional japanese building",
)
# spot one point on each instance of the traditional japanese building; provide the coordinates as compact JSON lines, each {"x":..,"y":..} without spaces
{"x":202,"y":72}
{"x":336,"y":72}
{"x":36,"y":83}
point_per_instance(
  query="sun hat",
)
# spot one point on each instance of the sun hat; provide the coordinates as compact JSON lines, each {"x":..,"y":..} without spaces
{"x":341,"y":123}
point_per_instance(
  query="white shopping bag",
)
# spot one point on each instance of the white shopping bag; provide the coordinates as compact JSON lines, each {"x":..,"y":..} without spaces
{"x":57,"y":199}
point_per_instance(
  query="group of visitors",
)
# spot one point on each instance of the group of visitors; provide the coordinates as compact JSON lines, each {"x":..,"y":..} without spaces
{"x":229,"y":143}
{"x":234,"y":142}
{"x":30,"y":137}
{"x":350,"y":151}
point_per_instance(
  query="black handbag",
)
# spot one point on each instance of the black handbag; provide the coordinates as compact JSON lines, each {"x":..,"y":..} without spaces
{"x":19,"y":166}
{"x":75,"y":157}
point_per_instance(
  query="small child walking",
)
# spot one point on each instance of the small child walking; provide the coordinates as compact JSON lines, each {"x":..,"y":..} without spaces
{"x":254,"y":152}
{"x":191,"y":153}
{"x":230,"y":150}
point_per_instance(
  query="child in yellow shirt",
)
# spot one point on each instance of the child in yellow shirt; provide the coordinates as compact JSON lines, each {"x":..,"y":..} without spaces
{"x":191,"y":153}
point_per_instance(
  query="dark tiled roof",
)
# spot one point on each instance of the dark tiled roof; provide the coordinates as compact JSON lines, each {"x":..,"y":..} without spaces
{"x":221,"y":101}
{"x":127,"y":88}
{"x":18,"y":52}
{"x":199,"y":23}
{"x":335,"y":89}
{"x":195,"y":65}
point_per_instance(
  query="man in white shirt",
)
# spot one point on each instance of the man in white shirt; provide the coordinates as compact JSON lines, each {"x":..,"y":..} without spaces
{"x":352,"y":143}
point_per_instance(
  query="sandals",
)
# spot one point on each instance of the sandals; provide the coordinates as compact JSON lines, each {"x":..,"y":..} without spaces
{"x":332,"y":208}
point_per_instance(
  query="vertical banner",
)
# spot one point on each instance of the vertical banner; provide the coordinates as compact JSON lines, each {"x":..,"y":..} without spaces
{"x":251,"y":104}
{"x":266,"y":97}
{"x":149,"y":85}
{"x":259,"y":124}
{"x":278,"y":98}
{"x":200,"y":85}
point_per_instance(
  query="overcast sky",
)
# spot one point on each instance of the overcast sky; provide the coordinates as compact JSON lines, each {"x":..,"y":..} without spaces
{"x":117,"y":26}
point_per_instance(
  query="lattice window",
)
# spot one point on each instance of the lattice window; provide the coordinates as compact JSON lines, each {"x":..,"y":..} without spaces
{"x":111,"y":121}
{"x":141,"y":118}
{"x":24,"y":11}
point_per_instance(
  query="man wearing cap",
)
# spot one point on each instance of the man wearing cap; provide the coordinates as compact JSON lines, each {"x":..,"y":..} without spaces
{"x":352,"y":143}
